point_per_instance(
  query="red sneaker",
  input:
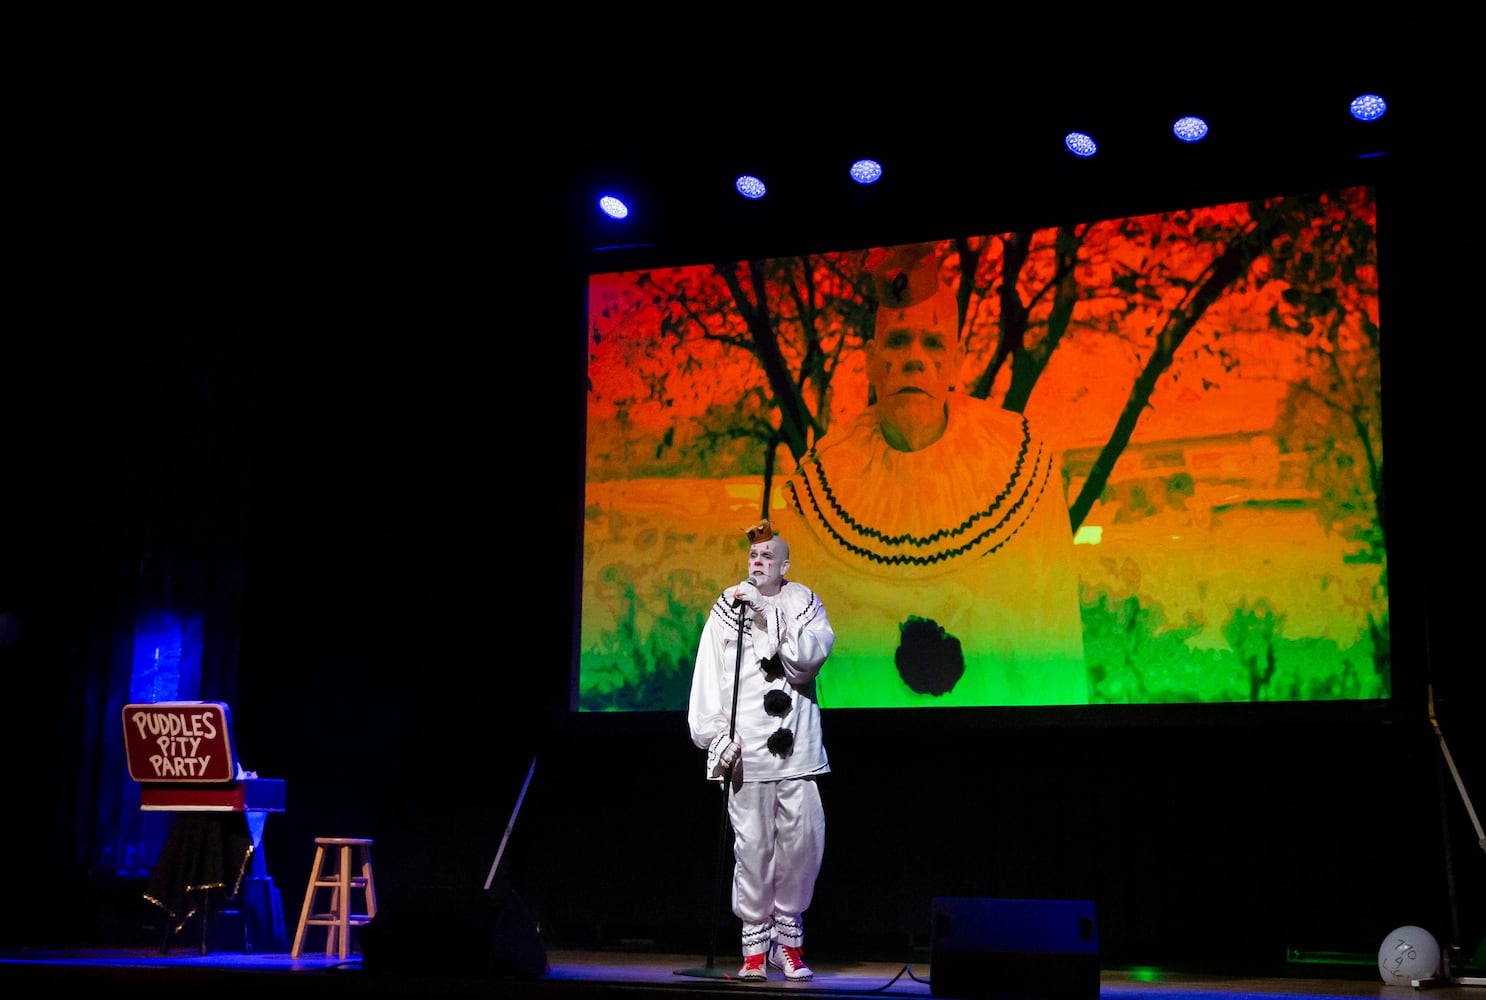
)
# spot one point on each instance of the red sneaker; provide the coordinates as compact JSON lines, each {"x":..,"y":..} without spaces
{"x":791,"y":960}
{"x":753,"y":968}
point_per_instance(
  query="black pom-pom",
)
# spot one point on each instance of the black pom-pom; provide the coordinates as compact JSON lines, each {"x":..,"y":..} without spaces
{"x":782,"y":743}
{"x":776,"y":703}
{"x":773,"y":667}
{"x":929,"y":660}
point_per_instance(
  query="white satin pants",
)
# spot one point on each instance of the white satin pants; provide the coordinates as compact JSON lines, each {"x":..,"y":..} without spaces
{"x":779,"y":836}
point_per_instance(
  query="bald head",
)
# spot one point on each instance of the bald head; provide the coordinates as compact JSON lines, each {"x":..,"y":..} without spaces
{"x":768,"y":561}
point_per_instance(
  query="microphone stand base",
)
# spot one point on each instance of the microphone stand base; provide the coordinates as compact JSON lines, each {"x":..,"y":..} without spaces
{"x":706,"y":972}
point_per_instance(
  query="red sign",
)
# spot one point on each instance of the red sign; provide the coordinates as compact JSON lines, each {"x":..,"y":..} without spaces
{"x":179,"y":741}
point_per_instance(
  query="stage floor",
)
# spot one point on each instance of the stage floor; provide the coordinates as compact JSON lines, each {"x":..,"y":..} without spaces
{"x":594,"y":975}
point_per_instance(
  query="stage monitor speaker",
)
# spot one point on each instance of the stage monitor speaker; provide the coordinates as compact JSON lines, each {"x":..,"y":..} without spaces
{"x":453,"y":933}
{"x":1014,"y":949}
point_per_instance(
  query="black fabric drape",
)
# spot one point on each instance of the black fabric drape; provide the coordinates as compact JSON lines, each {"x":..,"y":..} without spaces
{"x":205,"y":852}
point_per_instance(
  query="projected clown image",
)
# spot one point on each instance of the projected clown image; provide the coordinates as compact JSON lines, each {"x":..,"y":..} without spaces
{"x":945,"y":532}
{"x":1131,"y":461}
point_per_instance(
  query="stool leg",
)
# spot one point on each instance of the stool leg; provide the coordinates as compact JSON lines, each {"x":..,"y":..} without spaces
{"x":309,"y":899}
{"x":366,"y":876}
{"x":343,"y":913}
{"x":332,"y":930}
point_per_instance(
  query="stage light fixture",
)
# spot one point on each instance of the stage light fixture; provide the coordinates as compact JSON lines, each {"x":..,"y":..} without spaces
{"x":1368,"y":107}
{"x":866,"y":171}
{"x":751,"y":187}
{"x":613,"y":207}
{"x":1080,"y":144}
{"x":1189,"y":129}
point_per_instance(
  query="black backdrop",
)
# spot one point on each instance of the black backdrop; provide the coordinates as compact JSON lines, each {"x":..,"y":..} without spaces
{"x":289,"y":360}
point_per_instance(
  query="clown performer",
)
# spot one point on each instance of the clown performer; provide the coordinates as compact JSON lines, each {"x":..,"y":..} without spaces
{"x":753,"y":709}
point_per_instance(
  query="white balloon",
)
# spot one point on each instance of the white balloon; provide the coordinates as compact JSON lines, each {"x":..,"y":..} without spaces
{"x":1408,"y":953}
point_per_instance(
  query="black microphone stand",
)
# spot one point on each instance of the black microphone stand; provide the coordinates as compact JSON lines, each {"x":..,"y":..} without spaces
{"x":710,"y":970}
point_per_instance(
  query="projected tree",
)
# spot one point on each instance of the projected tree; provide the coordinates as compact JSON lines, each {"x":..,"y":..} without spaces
{"x":745,"y":353}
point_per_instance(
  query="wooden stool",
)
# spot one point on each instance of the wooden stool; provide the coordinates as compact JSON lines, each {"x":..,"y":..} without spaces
{"x":332,"y":870}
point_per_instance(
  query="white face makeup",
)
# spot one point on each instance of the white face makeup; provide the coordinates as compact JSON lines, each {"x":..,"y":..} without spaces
{"x":767,"y":563}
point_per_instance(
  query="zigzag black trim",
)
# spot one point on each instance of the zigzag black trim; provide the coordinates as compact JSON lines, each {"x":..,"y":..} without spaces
{"x":942,"y":534}
{"x":812,"y":607}
{"x":724,"y":612}
{"x":940,"y":557}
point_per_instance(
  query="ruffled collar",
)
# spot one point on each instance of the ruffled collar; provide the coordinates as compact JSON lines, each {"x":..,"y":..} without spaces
{"x":964,"y":496}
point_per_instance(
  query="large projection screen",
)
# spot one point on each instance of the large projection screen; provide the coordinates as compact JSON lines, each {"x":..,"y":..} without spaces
{"x":1160,"y":481}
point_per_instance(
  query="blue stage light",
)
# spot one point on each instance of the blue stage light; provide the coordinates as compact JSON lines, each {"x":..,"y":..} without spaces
{"x":613,"y":207}
{"x":1189,"y":129}
{"x":1368,"y":107}
{"x":1080,"y":144}
{"x":751,"y":187}
{"x":866,"y":171}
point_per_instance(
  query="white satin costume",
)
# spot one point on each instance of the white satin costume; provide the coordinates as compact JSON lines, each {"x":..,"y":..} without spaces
{"x":775,"y":807}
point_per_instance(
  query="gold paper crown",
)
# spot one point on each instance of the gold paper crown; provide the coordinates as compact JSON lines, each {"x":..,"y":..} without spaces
{"x":907,"y":276}
{"x":761,"y":532}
